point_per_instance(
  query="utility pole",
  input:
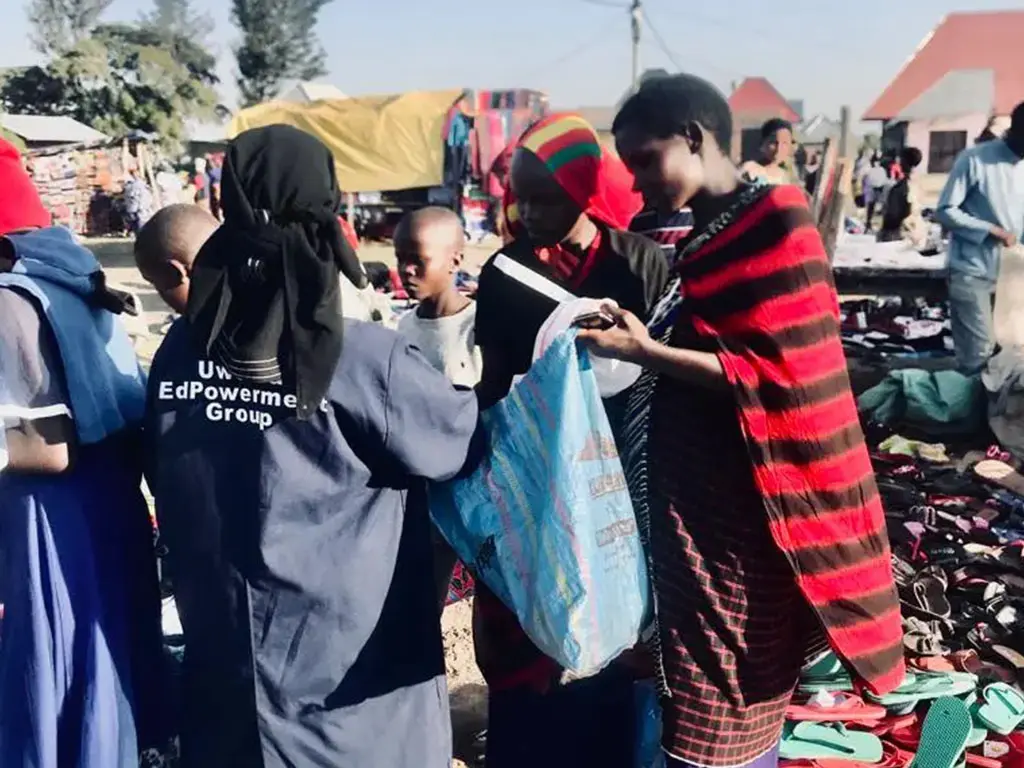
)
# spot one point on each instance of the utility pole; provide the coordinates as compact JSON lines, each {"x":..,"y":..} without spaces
{"x":636,"y":19}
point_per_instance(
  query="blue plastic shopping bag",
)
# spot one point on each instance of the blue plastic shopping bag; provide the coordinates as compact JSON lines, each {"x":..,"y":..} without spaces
{"x":546,"y":521}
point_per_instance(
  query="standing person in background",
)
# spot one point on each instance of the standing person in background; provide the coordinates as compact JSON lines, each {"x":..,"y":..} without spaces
{"x":874,"y":183}
{"x":80,"y":642}
{"x":291,"y":488}
{"x":429,"y":245}
{"x":200,"y":183}
{"x":742,"y":447}
{"x":138,"y":201}
{"x":776,"y":152}
{"x":213,"y":184}
{"x":982,"y":206}
{"x":901,"y":217}
{"x":813,"y":172}
{"x":572,"y":200}
{"x":168,"y":185}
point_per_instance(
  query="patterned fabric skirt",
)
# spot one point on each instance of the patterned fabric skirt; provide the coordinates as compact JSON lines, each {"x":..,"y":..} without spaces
{"x":461,"y":585}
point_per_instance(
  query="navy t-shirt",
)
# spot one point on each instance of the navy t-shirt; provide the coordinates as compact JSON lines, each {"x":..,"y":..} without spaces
{"x":300,"y":554}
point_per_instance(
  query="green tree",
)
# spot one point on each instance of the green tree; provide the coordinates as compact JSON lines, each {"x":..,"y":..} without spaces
{"x":279,"y":43}
{"x":179,"y":19}
{"x":122,"y":78}
{"x":59,"y":25}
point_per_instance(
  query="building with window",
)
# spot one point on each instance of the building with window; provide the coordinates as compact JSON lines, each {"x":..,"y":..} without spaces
{"x":966,"y":75}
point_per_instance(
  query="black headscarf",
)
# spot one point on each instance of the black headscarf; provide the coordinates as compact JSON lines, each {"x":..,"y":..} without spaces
{"x":265,"y":300}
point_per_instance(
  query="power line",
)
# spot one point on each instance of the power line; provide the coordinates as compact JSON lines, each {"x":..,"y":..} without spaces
{"x":670,"y":54}
{"x":661,"y":43}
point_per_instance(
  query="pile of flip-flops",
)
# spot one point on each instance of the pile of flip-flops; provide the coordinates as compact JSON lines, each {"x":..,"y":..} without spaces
{"x":957,"y":531}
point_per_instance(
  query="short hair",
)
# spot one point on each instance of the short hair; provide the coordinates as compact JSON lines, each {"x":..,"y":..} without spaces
{"x":174,"y":233}
{"x":910,"y":157}
{"x":1017,"y":117}
{"x":773,"y":126}
{"x":664,"y":106}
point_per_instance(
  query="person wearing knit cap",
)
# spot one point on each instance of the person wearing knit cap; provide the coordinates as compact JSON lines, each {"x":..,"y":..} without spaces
{"x":568,"y":205}
{"x":80,"y":642}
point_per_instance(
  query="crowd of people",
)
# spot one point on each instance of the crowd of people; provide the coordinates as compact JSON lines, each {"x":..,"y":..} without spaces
{"x":289,"y":448}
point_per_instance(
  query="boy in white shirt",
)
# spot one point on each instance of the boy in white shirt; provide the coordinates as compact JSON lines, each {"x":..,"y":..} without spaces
{"x":429,"y":246}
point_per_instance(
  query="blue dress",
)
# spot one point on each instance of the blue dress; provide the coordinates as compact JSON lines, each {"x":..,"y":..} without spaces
{"x":80,"y":644}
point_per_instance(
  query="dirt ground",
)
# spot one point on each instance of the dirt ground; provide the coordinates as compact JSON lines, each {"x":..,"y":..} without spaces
{"x":467,"y":692}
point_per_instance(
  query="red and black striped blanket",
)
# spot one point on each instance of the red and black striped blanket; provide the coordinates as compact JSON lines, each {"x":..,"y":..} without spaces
{"x":761,"y":294}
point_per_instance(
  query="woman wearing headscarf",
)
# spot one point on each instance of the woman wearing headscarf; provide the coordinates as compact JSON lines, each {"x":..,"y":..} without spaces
{"x":289,"y":474}
{"x":742,"y":448}
{"x":569,"y":204}
{"x":80,"y":642}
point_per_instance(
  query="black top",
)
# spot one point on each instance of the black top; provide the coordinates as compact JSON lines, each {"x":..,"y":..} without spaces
{"x":633,"y":272}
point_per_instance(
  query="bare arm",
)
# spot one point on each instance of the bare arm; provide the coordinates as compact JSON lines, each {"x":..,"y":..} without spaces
{"x":43,"y":446}
{"x":628,"y":340}
{"x":703,"y":369}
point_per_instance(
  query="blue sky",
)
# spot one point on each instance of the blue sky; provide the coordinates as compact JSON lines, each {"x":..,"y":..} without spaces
{"x":828,"y":52}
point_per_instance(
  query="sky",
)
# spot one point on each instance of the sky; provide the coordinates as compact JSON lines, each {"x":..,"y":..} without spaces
{"x":829,"y":53}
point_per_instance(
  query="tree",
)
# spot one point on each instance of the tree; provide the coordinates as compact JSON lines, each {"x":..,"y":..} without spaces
{"x":278,"y":43}
{"x":59,"y":25}
{"x":177,"y":18}
{"x":121,"y":78}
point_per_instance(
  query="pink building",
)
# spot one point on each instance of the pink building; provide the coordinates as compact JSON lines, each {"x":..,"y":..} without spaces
{"x":967,"y":72}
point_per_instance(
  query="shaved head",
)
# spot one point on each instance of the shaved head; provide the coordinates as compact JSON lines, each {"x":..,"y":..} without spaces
{"x":428,"y":246}
{"x":166,"y":247}
{"x":440,"y":225}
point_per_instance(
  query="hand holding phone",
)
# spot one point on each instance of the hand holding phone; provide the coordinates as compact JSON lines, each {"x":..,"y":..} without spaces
{"x":595,"y":321}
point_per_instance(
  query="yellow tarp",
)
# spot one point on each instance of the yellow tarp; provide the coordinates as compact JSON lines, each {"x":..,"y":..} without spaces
{"x":380,"y":143}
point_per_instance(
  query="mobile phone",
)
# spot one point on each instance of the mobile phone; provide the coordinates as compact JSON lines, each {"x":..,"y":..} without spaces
{"x":597,"y":321}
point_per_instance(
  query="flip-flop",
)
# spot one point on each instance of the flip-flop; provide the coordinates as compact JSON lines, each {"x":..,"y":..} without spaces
{"x":816,"y":741}
{"x":1000,"y":709}
{"x":969,"y":661}
{"x":1012,"y":657}
{"x":843,"y":708}
{"x":927,"y":685}
{"x":944,"y":734}
{"x":1001,"y":474}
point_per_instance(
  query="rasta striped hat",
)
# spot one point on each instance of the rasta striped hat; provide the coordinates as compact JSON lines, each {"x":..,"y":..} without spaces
{"x":593,"y":177}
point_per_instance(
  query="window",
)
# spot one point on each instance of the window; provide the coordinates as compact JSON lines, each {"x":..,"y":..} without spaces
{"x":943,"y":147}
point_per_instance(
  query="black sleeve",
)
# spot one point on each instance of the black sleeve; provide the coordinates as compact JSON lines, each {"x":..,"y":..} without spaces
{"x":490,"y":330}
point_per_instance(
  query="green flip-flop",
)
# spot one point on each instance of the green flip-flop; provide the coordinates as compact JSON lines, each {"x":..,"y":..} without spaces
{"x":831,"y":741}
{"x":927,"y":685}
{"x":1000,"y":708}
{"x":944,"y":734}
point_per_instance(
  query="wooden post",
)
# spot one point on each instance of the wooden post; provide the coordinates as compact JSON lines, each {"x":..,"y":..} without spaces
{"x":844,"y":132}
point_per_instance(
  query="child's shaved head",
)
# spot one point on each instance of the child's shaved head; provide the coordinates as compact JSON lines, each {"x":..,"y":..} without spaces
{"x":428,"y":246}
{"x":166,"y":248}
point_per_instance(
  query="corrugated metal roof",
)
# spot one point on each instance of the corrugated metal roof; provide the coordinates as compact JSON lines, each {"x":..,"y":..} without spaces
{"x":50,"y":129}
{"x":962,"y":41}
{"x":958,"y":93}
{"x":755,"y":96}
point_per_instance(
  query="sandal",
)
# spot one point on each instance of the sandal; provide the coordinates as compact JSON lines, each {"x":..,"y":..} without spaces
{"x":815,"y":741}
{"x":1001,"y":474}
{"x":1000,"y":709}
{"x":835,"y":708}
{"x":944,"y":734}
{"x":927,"y":685}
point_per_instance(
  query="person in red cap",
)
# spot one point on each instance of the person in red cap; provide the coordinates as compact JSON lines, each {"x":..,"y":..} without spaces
{"x":80,"y":641}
